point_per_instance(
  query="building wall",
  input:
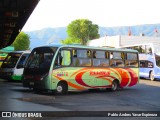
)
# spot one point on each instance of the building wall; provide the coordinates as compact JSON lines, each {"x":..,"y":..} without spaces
{"x":105,"y":41}
{"x":135,"y":40}
{"x":122,"y":41}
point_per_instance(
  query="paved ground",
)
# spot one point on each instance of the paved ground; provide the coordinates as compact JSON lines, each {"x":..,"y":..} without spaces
{"x":143,"y":97}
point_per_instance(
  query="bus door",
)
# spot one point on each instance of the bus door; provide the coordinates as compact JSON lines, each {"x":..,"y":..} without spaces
{"x":62,"y":69}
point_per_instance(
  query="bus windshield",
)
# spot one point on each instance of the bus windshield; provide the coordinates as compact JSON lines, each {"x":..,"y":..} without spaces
{"x":11,"y":60}
{"x":40,"y":60}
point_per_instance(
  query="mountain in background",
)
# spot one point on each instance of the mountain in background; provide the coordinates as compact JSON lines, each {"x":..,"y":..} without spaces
{"x":46,"y":36}
{"x":55,"y":35}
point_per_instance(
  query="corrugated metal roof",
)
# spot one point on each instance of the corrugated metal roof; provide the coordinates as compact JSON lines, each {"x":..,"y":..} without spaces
{"x":13,"y":16}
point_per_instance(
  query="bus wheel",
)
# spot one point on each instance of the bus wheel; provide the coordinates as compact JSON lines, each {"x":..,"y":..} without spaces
{"x":61,"y":88}
{"x":115,"y":85}
{"x":151,"y":76}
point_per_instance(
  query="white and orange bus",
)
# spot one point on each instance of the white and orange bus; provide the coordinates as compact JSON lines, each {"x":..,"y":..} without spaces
{"x":62,"y":68}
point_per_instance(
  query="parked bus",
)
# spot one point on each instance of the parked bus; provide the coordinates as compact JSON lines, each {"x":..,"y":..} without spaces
{"x":149,"y":56}
{"x":12,"y":66}
{"x":62,"y":68}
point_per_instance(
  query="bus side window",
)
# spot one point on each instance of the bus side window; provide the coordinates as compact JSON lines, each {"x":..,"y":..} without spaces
{"x":100,"y":58}
{"x":65,"y":57}
{"x":117,"y":60}
{"x":132,"y":60}
{"x":150,"y":64}
{"x":142,"y":64}
{"x":84,"y":57}
{"x":115,"y":55}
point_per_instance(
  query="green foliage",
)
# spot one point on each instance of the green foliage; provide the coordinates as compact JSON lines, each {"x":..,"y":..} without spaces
{"x":71,"y":41}
{"x":80,"y":31}
{"x":21,"y":42}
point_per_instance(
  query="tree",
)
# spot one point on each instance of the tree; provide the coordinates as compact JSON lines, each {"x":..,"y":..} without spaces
{"x":21,"y":42}
{"x":71,"y":41}
{"x":80,"y":31}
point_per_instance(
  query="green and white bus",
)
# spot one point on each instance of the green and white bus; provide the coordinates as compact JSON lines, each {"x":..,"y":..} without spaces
{"x":12,"y":66}
{"x":62,"y":68}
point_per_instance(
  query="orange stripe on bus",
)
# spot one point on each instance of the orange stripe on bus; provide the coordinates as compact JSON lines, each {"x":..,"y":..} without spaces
{"x":115,"y":72}
{"x":71,"y":84}
{"x":75,"y":86}
{"x":58,"y":77}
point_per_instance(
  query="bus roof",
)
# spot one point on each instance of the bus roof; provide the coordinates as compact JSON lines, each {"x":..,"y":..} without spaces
{"x":89,"y":47}
{"x":26,"y":51}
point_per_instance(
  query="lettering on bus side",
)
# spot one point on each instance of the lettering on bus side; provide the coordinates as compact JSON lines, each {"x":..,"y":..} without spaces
{"x":101,"y":73}
{"x":62,"y":74}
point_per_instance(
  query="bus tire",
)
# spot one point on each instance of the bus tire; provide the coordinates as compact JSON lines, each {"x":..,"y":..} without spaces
{"x":62,"y":88}
{"x":115,"y":85}
{"x":151,"y":76}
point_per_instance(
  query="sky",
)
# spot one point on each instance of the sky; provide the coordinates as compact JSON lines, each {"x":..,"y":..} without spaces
{"x":104,"y":13}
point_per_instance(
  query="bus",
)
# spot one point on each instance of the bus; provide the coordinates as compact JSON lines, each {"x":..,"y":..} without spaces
{"x":63,"y":68}
{"x":12,"y":66}
{"x":149,"y":58}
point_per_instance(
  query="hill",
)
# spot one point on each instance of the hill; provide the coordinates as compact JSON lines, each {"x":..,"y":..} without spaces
{"x":55,"y":35}
{"x":46,"y":36}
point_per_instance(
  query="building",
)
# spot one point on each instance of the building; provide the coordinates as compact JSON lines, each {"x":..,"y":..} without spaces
{"x":120,"y":41}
